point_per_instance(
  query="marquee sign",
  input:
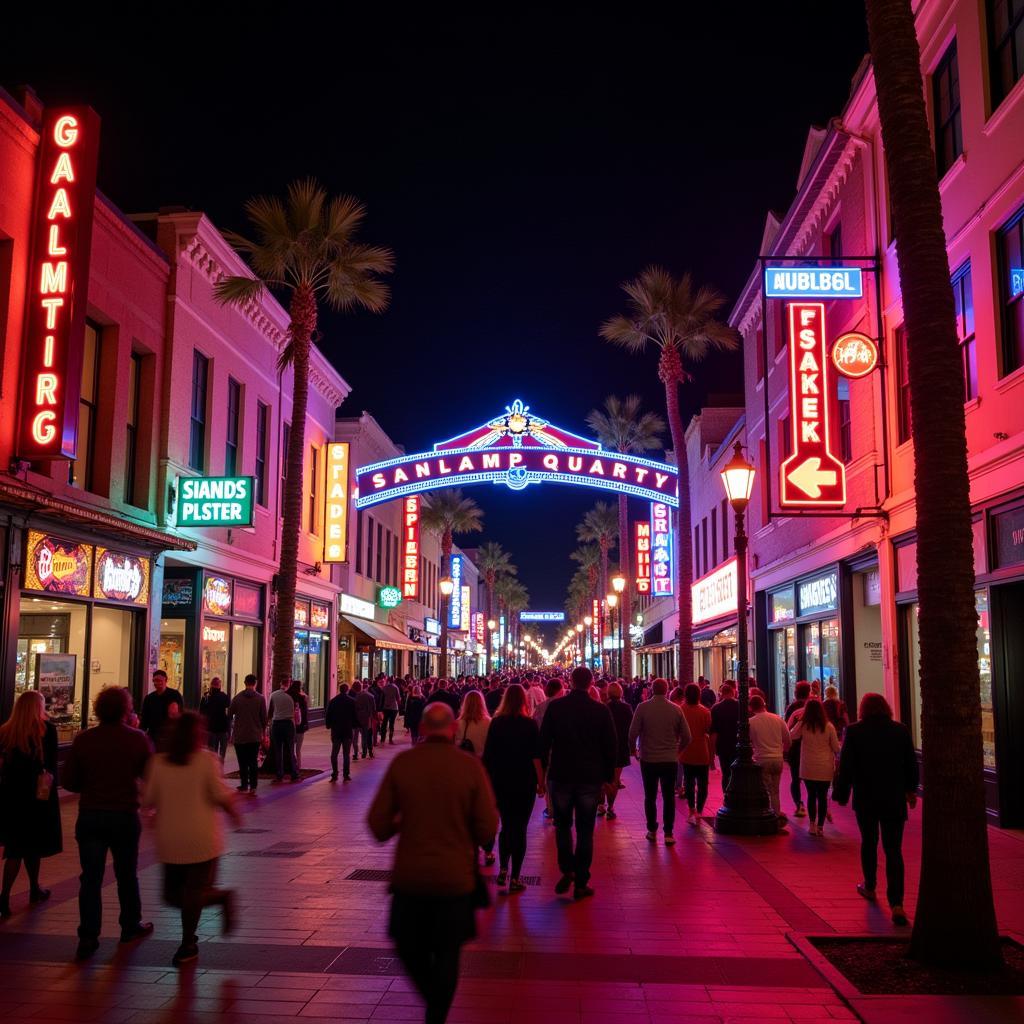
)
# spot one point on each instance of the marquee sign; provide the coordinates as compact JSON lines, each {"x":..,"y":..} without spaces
{"x":663,"y":562}
{"x":812,"y":477}
{"x":58,"y":283}
{"x":336,"y":509}
{"x":714,"y":594}
{"x":642,"y":557}
{"x":411,"y":548}
{"x":516,"y":449}
{"x":455,"y":601}
{"x":56,"y":566}
{"x":813,"y":282}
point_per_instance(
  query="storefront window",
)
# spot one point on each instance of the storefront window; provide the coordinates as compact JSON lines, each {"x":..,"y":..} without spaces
{"x":172,"y":652}
{"x":214,"y":648}
{"x":245,"y":652}
{"x":819,"y":643}
{"x":317,"y":667}
{"x":110,"y":655}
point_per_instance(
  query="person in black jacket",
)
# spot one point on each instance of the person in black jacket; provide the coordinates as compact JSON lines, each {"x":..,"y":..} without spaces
{"x":622,"y":717}
{"x":578,"y":737}
{"x":414,"y":705}
{"x":802,"y":692}
{"x":725,"y":721}
{"x":343,"y":722}
{"x":879,"y":764}
{"x":214,"y":708}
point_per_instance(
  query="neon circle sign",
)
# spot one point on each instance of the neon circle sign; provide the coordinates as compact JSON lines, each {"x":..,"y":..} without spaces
{"x":517,"y":449}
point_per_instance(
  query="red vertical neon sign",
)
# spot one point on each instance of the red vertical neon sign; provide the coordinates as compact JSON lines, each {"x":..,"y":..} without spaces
{"x":643,"y":557}
{"x":58,"y":284}
{"x":812,"y":477}
{"x":411,"y":542}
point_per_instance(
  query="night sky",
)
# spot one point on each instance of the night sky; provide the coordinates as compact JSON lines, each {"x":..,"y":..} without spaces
{"x":520,"y":164}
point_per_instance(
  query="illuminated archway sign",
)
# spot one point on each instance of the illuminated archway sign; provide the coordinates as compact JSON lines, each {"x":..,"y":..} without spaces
{"x":517,"y":449}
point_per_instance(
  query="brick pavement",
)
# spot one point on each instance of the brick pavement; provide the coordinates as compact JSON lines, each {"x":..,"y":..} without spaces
{"x":693,"y":932}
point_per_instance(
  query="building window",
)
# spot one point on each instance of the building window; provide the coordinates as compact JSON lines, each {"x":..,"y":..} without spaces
{"x":832,"y":244}
{"x":725,"y":529}
{"x":369,"y":546}
{"x":359,"y":541}
{"x":131,"y":447}
{"x":380,"y":552}
{"x":696,"y":552}
{"x":1006,"y":46}
{"x":845,"y":431}
{"x":714,"y":538}
{"x":949,"y":143}
{"x":759,"y":351}
{"x":286,"y":439}
{"x":80,"y":472}
{"x":262,"y":432}
{"x":778,"y":315}
{"x":785,"y":437}
{"x":394,"y":561}
{"x":314,"y":475}
{"x":704,"y":543}
{"x":963,"y":300}
{"x":197,"y":432}
{"x":387,"y":558}
{"x":902,"y":386}
{"x":1011,"y":288}
{"x":231,"y":430}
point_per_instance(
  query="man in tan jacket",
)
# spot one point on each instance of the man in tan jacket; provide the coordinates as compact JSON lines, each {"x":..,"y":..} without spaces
{"x":438,"y":801}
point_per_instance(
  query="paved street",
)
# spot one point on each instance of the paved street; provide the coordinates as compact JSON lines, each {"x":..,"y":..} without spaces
{"x":695,"y":932}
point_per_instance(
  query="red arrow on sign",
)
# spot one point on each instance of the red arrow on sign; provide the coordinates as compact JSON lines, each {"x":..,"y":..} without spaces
{"x":812,"y":477}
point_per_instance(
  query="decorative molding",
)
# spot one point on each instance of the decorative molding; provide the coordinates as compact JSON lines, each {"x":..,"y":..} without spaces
{"x":325,"y":387}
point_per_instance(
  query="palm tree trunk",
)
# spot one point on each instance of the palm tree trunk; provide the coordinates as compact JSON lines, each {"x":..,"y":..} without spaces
{"x":303,"y":324}
{"x":446,"y":561}
{"x":489,"y":581}
{"x":670,"y":371}
{"x":955,"y":923}
{"x":625,"y":598}
{"x":601,"y":597}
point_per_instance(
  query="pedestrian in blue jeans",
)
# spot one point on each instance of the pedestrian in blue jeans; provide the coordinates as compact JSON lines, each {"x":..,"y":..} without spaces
{"x":578,"y":740}
{"x":104,"y":767}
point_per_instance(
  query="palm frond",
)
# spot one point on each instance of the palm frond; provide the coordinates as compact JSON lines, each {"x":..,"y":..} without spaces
{"x":237,"y":291}
{"x":449,"y":510}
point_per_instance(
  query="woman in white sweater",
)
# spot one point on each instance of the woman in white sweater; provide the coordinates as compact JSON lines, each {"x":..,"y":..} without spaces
{"x":818,"y":750}
{"x":185,"y":787}
{"x":471,"y":728}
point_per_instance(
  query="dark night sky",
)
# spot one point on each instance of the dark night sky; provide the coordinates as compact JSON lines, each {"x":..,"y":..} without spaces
{"x":520,"y":164}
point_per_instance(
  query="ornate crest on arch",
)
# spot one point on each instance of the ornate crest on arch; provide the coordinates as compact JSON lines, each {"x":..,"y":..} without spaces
{"x":517,"y":427}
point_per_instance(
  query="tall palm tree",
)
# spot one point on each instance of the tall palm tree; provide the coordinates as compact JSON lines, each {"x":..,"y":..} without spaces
{"x":305,"y":250}
{"x":578,"y":596}
{"x":681,"y":321}
{"x":448,"y":513}
{"x":955,"y":923}
{"x":493,"y":561}
{"x":600,"y":526}
{"x":623,"y":426}
{"x":513,"y":597}
{"x":588,"y":556}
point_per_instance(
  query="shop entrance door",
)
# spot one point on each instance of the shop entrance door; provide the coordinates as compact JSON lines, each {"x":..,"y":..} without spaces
{"x":1007,"y":637}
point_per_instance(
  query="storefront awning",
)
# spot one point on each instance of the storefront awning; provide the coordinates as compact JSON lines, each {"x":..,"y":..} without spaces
{"x":382,"y":635}
{"x":32,"y":499}
{"x":654,"y":648}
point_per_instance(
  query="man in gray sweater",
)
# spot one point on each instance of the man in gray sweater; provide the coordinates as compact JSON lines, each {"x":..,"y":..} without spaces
{"x":247,"y":715}
{"x":662,"y":733}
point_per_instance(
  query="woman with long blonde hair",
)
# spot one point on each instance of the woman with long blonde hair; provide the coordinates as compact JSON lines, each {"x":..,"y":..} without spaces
{"x":30,"y":826}
{"x":471,"y":729}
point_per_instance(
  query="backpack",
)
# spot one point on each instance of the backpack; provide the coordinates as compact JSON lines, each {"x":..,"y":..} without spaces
{"x":466,"y":743}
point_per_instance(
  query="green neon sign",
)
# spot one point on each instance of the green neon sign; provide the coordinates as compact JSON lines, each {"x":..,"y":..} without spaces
{"x":389,"y":597}
{"x":215,"y":501}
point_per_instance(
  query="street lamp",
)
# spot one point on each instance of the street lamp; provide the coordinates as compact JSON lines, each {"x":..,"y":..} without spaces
{"x":745,"y":809}
{"x":579,"y":640}
{"x":446,"y":585}
{"x":588,"y":621}
{"x":616,"y":658}
{"x":619,"y":586}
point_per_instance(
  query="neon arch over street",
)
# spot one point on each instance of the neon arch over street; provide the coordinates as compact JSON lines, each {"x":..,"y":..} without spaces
{"x":517,"y":448}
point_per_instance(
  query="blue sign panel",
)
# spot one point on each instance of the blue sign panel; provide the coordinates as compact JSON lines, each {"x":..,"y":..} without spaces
{"x":542,"y":616}
{"x":813,"y":283}
{"x":455,"y":601}
{"x":663,"y":563}
{"x":1016,"y":282}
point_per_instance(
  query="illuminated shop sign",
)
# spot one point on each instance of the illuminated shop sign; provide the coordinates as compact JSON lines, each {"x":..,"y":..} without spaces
{"x":813,"y":283}
{"x":516,"y":449}
{"x":319,"y":615}
{"x":478,"y":627}
{"x":336,"y":509}
{"x":217,"y":595}
{"x":595,"y":626}
{"x":455,"y":601}
{"x":663,"y":563}
{"x":355,"y":606}
{"x":389,"y":597}
{"x":465,"y":617}
{"x":121,"y":577}
{"x":812,"y":477}
{"x":431,"y":626}
{"x":642,"y":558}
{"x":714,"y":595}
{"x":411,"y":548}
{"x":542,"y":616}
{"x":57,"y":567}
{"x":215,"y":501}
{"x":302,"y":614}
{"x":57,"y":285}
{"x":215,"y":634}
{"x":854,"y":355}
{"x":1016,"y":281}
{"x":820,"y":594}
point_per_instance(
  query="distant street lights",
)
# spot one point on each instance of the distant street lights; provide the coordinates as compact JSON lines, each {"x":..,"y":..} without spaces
{"x":446,"y":585}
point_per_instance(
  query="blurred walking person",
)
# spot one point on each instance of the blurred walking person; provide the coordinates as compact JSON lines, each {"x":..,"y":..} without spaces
{"x":414,"y":705}
{"x":725,"y":724}
{"x":818,"y":748}
{"x":185,"y":787}
{"x":792,"y":713}
{"x":622,"y":718}
{"x":391,"y":700}
{"x":438,"y":801}
{"x":247,"y":714}
{"x":366,"y":714}
{"x":30,"y":827}
{"x":696,"y":757}
{"x":214,"y":707}
{"x":301,"y":718}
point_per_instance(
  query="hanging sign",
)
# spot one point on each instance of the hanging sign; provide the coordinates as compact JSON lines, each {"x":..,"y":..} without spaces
{"x":714,"y":595}
{"x":464,"y":618}
{"x":389,"y":597}
{"x":663,"y":563}
{"x":411,"y":548}
{"x":336,"y":509}
{"x":58,"y":283}
{"x":854,"y":355}
{"x":642,"y":559}
{"x":57,"y":567}
{"x":813,"y":283}
{"x":215,"y":500}
{"x":478,"y":626}
{"x":121,"y":577}
{"x":595,"y":627}
{"x":812,"y":477}
{"x":455,"y":601}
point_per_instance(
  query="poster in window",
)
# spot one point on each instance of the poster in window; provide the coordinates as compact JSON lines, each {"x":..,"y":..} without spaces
{"x":57,"y":567}
{"x":319,"y":615}
{"x":55,"y":680}
{"x":178,"y":593}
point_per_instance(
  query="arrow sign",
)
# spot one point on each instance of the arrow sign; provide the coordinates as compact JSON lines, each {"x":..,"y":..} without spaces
{"x":812,"y":477}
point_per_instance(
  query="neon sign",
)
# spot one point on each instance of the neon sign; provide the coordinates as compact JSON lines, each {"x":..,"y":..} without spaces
{"x":516,"y":449}
{"x":643,"y":558}
{"x":411,"y":548}
{"x":215,"y":501}
{"x":1016,"y":281}
{"x":455,"y":601}
{"x":478,"y":627}
{"x":542,"y":616}
{"x":389,"y":597}
{"x":663,"y":563}
{"x":464,"y":618}
{"x":595,"y":628}
{"x":58,"y":275}
{"x":714,"y":594}
{"x":854,"y":355}
{"x":336,"y":510}
{"x":812,"y":477}
{"x":813,"y":283}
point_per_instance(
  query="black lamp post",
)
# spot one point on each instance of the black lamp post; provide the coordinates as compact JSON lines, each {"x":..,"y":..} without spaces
{"x":746,"y":809}
{"x":619,"y":586}
{"x":446,"y":585}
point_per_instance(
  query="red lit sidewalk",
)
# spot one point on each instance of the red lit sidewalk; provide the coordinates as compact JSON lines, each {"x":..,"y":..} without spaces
{"x":691,"y":932}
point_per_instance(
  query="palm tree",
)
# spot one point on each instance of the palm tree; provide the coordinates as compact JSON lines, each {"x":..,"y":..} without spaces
{"x":600,"y":526}
{"x":305,"y":249}
{"x":493,"y":561}
{"x":955,"y":923}
{"x":589,"y":558}
{"x":623,"y":427}
{"x":681,"y":321}
{"x":513,"y":597}
{"x":448,"y":513}
{"x":578,"y":596}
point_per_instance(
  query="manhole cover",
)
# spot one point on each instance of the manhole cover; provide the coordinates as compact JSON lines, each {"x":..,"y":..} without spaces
{"x":368,"y":875}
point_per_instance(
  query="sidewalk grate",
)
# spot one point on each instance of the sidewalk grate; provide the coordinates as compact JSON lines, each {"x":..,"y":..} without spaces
{"x":368,"y":875}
